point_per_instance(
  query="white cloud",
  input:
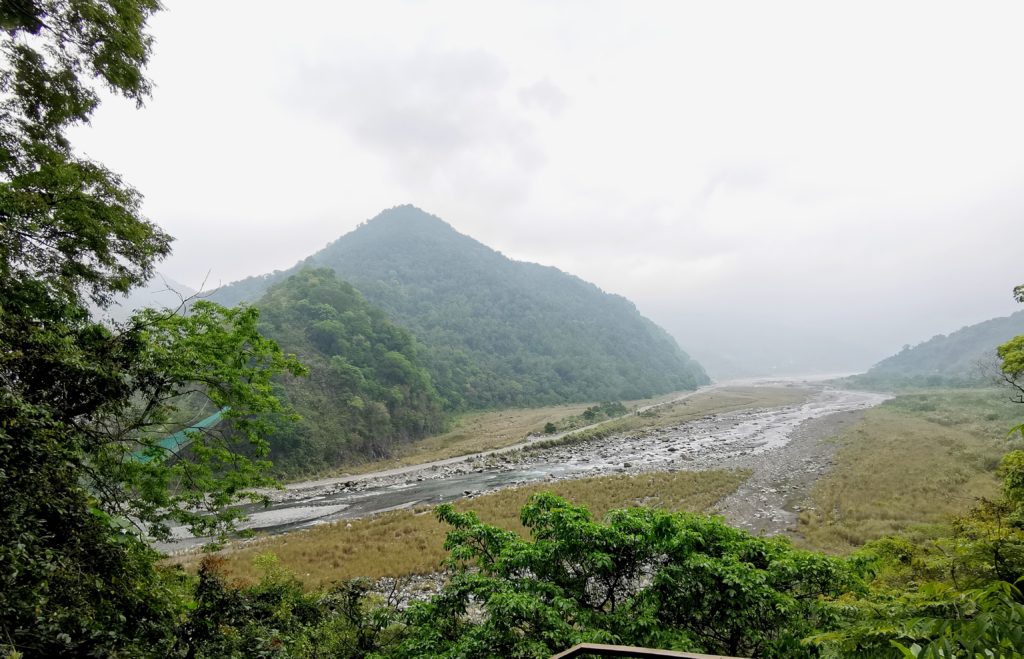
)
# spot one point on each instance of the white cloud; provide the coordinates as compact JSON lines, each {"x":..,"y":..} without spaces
{"x":852,"y":171}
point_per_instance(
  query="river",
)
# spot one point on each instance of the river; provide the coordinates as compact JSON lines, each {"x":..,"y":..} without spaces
{"x":726,"y":440}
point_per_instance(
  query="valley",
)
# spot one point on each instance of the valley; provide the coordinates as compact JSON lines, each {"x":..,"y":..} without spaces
{"x":762,"y":429}
{"x":451,"y":391}
{"x":510,"y":428}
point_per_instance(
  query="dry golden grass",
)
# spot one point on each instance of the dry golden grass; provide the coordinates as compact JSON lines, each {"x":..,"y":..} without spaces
{"x":909,"y":465}
{"x":472,"y":433}
{"x":410,"y":541}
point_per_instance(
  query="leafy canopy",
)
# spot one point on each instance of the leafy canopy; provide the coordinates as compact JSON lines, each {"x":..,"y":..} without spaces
{"x":78,"y":398}
{"x":368,"y":390}
{"x":643,"y":577}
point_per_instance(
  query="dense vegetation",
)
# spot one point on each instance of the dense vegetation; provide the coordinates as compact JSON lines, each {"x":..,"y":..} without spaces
{"x":366,"y":389}
{"x":652,"y":578}
{"x":77,"y":397}
{"x":498,"y":332}
{"x":966,"y":357}
{"x":641,"y":577}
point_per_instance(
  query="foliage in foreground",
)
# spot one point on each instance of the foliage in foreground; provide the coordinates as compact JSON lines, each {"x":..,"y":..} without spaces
{"x":640,"y":576}
{"x":644,"y":577}
{"x":79,"y":399}
{"x":957,"y":596}
{"x":653,"y":578}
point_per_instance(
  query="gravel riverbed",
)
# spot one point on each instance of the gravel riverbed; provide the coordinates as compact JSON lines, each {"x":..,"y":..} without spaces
{"x":782,"y":446}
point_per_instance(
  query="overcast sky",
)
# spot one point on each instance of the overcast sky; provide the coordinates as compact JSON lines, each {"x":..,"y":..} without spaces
{"x":765,"y":180}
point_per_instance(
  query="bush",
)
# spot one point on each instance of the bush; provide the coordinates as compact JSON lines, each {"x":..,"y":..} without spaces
{"x":644,"y":577}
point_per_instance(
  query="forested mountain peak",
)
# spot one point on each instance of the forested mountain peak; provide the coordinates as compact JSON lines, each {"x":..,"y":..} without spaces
{"x":496,"y":331}
{"x":409,"y":232}
{"x":408,"y":218}
{"x":418,"y":237}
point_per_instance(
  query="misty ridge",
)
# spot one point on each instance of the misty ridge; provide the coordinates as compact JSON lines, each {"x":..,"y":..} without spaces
{"x":406,"y":323}
{"x":443,"y":286}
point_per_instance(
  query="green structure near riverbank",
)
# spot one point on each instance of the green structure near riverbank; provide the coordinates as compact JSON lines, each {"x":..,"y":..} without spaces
{"x":182,"y":438}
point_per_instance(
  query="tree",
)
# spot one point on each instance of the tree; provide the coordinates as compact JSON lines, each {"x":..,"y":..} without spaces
{"x":1011,"y":354}
{"x":642,"y":577}
{"x":77,"y":397}
{"x":368,"y":390}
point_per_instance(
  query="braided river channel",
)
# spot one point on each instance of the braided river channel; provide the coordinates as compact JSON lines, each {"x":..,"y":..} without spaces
{"x":753,"y":438}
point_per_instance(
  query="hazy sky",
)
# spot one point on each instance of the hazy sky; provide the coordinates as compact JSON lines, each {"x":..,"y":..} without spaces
{"x":765,"y":180}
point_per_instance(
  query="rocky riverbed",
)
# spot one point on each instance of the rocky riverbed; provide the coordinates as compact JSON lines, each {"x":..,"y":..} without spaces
{"x":782,"y":446}
{"x":770,"y":501}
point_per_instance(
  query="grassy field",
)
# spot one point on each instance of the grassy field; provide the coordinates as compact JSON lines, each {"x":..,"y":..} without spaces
{"x":410,"y":541}
{"x":485,"y":431}
{"x":473,"y":433}
{"x":909,"y":465}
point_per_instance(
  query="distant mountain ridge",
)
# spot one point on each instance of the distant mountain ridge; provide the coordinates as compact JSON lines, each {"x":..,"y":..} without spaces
{"x":160,"y":292}
{"x":496,"y":331}
{"x":959,"y":358}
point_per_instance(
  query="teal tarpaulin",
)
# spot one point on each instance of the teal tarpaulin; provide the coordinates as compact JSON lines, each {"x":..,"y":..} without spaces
{"x":181,"y":439}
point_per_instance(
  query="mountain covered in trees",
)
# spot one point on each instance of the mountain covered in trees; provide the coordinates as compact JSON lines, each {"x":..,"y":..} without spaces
{"x":964,"y":357}
{"x":367,"y":389}
{"x":496,"y":332}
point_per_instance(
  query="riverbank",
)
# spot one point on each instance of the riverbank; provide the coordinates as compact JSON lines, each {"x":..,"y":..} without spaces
{"x":779,"y":488}
{"x":747,"y":438}
{"x":909,"y":467}
{"x":402,"y":543}
{"x":309,"y":503}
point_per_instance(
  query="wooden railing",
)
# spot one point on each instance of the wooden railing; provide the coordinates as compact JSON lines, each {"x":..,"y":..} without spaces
{"x":602,"y":650}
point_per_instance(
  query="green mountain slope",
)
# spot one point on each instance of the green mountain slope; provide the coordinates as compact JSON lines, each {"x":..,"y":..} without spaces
{"x":497,"y":331}
{"x":960,"y":358}
{"x":367,"y":388}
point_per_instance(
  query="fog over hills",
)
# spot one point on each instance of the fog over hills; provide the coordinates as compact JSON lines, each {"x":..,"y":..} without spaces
{"x":161,"y":292}
{"x":498,"y":331}
{"x":676,"y":156}
{"x":964,"y":357}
